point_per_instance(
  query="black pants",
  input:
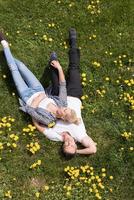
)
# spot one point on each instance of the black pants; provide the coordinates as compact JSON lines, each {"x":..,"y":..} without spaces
{"x":74,"y":87}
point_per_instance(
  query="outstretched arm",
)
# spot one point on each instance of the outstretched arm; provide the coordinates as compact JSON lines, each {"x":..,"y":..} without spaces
{"x":38,"y":126}
{"x":49,"y":133}
{"x":90,"y":146}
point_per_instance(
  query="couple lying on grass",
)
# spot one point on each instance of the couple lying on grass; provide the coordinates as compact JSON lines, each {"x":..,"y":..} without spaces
{"x":56,"y":110}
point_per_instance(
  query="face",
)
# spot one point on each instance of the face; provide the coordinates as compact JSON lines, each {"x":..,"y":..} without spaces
{"x":63,"y":113}
{"x":69,"y":144}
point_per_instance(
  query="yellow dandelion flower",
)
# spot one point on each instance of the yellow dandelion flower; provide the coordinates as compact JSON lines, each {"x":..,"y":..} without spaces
{"x":69,"y":188}
{"x":107,"y":78}
{"x":37,"y":194}
{"x":83,"y":75}
{"x":4,"y":76}
{"x":111,"y":177}
{"x":14,"y":145}
{"x":8,"y":144}
{"x":39,"y":162}
{"x":103,"y":174}
{"x":131,"y":148}
{"x":50,"y":39}
{"x":103,"y":169}
{"x":46,"y":187}
{"x":83,"y":98}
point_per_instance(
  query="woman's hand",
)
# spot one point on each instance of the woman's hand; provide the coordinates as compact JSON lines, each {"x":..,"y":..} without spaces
{"x":56,"y":64}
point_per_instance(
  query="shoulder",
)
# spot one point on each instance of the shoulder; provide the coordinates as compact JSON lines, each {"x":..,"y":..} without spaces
{"x":73,"y":99}
{"x":87,"y":141}
{"x":74,"y":103}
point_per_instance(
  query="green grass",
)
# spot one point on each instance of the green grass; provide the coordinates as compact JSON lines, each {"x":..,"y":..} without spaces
{"x":106,"y":118}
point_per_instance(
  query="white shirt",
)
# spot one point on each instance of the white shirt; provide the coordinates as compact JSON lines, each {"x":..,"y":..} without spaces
{"x":78,"y":132}
{"x":44,"y":103}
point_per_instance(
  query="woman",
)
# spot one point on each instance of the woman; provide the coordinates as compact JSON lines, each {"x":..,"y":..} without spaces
{"x":42,"y":107}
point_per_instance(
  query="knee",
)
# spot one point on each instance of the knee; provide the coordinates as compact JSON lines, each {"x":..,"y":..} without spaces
{"x":12,"y":67}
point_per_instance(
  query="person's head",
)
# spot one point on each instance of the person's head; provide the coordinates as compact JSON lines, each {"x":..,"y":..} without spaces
{"x":68,"y":114}
{"x":69,"y":146}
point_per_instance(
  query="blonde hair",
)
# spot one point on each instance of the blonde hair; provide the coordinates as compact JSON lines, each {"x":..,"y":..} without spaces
{"x":73,"y":118}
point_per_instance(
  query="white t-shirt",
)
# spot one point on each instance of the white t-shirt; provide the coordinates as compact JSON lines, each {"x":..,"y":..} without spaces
{"x":78,"y":132}
{"x":43,"y":104}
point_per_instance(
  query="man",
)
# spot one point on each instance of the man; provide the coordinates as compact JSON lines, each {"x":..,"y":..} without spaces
{"x":65,"y":132}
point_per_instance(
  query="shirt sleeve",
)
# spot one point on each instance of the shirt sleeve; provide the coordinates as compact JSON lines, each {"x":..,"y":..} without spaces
{"x":52,"y":135}
{"x":63,"y":91}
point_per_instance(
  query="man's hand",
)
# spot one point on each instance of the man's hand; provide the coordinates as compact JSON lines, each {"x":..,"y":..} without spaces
{"x":39,"y":127}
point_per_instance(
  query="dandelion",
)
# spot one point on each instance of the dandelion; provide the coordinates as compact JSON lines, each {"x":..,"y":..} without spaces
{"x":50,"y":39}
{"x":46,"y":187}
{"x":83,"y":98}
{"x":8,"y":144}
{"x":4,"y":76}
{"x":14,"y":145}
{"x":103,"y":174}
{"x":8,"y":194}
{"x":69,"y":188}
{"x":111,"y":177}
{"x":37,"y":194}
{"x":83,"y":75}
{"x":107,"y":78}
{"x":131,"y":148}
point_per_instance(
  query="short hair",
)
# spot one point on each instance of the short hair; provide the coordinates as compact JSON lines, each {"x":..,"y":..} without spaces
{"x":73,"y":118}
{"x":67,"y":155}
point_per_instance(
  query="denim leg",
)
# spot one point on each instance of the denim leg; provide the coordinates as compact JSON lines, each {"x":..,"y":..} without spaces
{"x":28,"y":76}
{"x":18,"y":80}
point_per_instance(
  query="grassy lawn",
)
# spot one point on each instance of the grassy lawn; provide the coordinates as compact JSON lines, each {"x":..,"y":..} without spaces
{"x":105,"y":28}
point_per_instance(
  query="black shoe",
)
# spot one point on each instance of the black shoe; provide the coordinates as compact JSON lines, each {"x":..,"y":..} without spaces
{"x":53,"y":56}
{"x":2,"y":37}
{"x":72,"y":37}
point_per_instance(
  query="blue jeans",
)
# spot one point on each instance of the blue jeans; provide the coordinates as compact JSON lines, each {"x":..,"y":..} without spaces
{"x":25,"y":81}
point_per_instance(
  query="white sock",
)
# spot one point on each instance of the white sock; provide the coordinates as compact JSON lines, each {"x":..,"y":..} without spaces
{"x":4,"y":43}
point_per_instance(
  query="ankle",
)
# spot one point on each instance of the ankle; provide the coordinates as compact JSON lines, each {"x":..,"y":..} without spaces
{"x":4,"y":43}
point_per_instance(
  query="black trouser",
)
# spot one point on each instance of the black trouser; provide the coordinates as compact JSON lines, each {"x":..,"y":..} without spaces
{"x":74,"y":87}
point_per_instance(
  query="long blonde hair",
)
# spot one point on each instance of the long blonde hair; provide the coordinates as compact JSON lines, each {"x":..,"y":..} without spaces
{"x":73,"y":118}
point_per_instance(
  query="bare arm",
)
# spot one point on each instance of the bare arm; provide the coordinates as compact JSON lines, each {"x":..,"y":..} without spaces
{"x":90,"y":146}
{"x":62,"y":81}
{"x":50,"y":134}
{"x":38,"y":126}
{"x":57,"y":65}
